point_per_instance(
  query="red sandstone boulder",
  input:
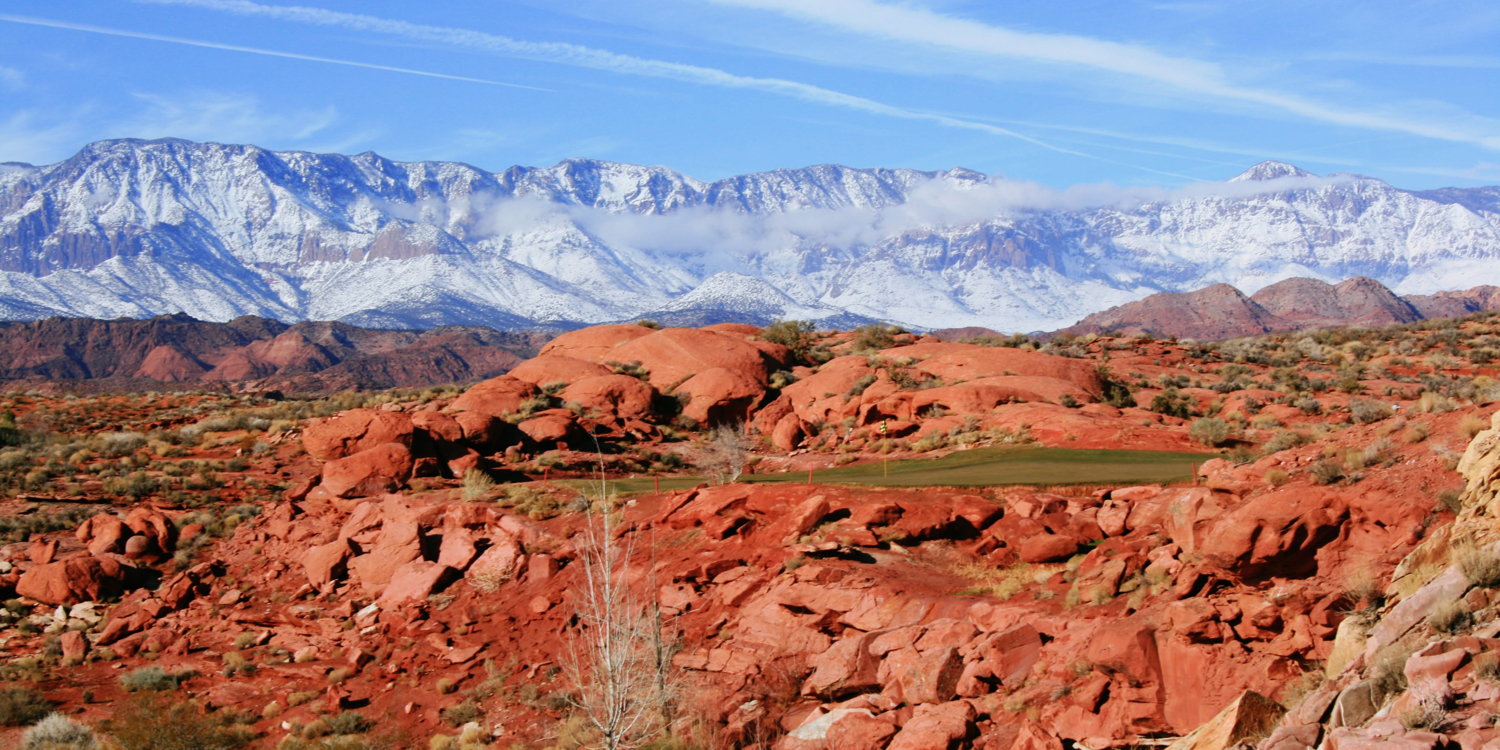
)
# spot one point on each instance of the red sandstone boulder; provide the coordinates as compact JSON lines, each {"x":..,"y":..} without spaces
{"x":42,"y":552}
{"x":938,"y":727}
{"x":1048,"y":548}
{"x":610,"y":395}
{"x":1128,"y":648}
{"x":103,"y":533}
{"x":671,"y":355}
{"x":554,"y":368}
{"x":846,"y":668}
{"x":326,"y":563}
{"x":1278,"y":533}
{"x":76,"y":579}
{"x":154,"y":525}
{"x":787,"y":434}
{"x":968,"y":362}
{"x":495,"y":397}
{"x":139,"y":547}
{"x":439,"y":426}
{"x":384,"y":468}
{"x":548,"y":429}
{"x":413,"y":582}
{"x":74,"y":647}
{"x":721,"y":396}
{"x":482,"y":429}
{"x":355,"y":430}
{"x":596,"y":343}
{"x":860,"y":731}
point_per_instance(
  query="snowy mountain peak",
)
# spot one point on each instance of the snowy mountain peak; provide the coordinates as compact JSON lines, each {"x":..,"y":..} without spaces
{"x":1271,"y":170}
{"x":138,"y":228}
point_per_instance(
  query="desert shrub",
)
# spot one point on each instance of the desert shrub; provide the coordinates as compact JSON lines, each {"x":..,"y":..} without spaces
{"x":349,"y":722}
{"x":1481,"y":565}
{"x":1276,"y":477}
{"x":1367,"y":412}
{"x":865,"y":381}
{"x":1171,"y":403}
{"x":653,"y":325}
{"x":1471,"y":425}
{"x":796,"y":335}
{"x":1265,"y":421}
{"x":1326,"y":471}
{"x":1210,"y":431}
{"x":151,"y":723}
{"x":462,"y":713}
{"x":135,"y":485}
{"x":153,"y":678}
{"x":477,"y":485}
{"x":1434,"y":403}
{"x":1451,"y":499}
{"x":21,"y":705}
{"x":1415,"y":434}
{"x":58,"y":732}
{"x":1286,"y":440}
{"x":1310,"y":406}
{"x":874,"y":337}
{"x":116,"y":444}
{"x":525,"y":499}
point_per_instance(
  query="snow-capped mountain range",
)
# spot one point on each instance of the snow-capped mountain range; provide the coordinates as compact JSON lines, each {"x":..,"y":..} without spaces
{"x":131,"y":228}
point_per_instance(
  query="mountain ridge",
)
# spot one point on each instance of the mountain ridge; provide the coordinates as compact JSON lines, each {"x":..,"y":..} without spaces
{"x":138,"y":228}
{"x":1221,"y":311}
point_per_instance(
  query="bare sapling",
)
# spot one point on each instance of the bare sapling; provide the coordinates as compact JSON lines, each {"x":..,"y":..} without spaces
{"x":620,"y":661}
{"x":727,"y":452}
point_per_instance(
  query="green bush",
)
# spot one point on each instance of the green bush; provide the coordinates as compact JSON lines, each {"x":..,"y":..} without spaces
{"x":1366,"y":412}
{"x":796,"y":335}
{"x":1210,"y":431}
{"x":154,"y":678}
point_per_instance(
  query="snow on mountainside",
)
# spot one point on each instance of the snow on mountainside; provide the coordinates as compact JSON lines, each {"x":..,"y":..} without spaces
{"x":136,"y":228}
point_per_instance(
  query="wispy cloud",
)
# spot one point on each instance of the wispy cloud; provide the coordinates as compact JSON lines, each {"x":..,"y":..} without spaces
{"x":252,"y":50}
{"x":597,"y":59}
{"x":940,"y":202}
{"x":212,"y":116}
{"x":914,"y":25}
{"x":31,"y":137}
{"x":1480,"y":62}
{"x":11,"y":78}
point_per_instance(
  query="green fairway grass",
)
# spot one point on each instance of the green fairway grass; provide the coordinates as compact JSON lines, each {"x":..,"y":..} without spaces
{"x":980,"y":467}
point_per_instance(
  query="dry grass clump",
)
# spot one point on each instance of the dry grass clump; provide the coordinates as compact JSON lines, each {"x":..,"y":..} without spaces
{"x":1471,"y":425}
{"x":58,"y":732}
{"x":1449,"y":617}
{"x":1276,"y":477}
{"x":151,"y":723}
{"x":1481,"y":565}
{"x":1326,"y":471}
{"x":1003,"y":583}
{"x":21,"y":705}
{"x":477,"y":486}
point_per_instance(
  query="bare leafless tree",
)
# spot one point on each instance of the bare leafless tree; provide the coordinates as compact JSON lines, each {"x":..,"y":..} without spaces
{"x":620,"y":662}
{"x":727,"y":452}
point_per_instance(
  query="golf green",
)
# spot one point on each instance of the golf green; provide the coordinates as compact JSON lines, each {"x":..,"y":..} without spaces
{"x":979,"y":467}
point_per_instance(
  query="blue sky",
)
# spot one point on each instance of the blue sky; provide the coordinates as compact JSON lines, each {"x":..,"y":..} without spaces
{"x":1124,"y":91}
